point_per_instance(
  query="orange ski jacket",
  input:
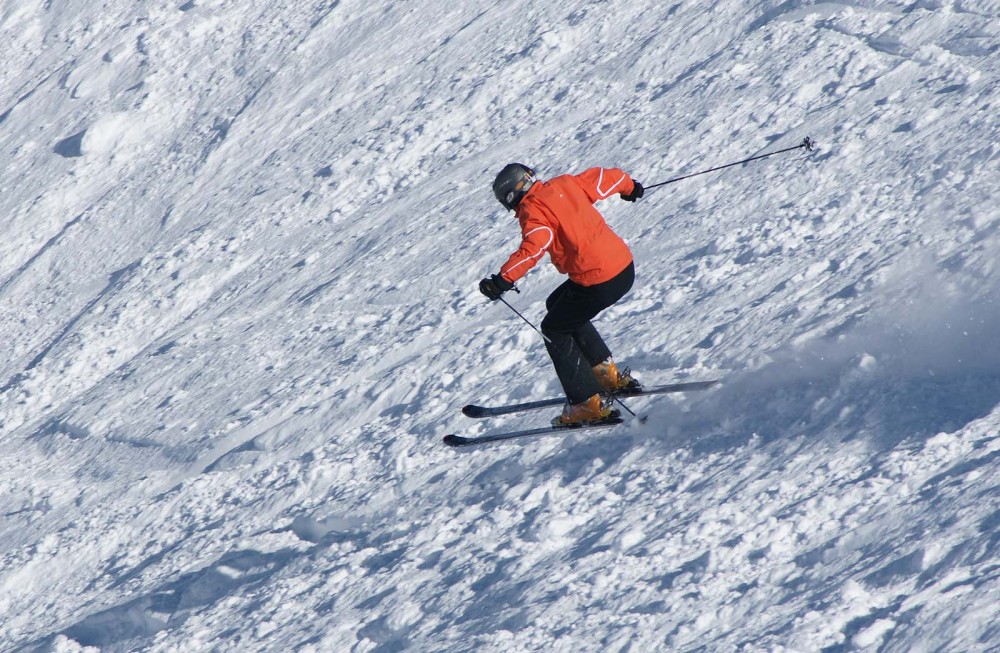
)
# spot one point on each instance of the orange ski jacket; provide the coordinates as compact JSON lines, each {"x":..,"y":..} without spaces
{"x":558,"y":216}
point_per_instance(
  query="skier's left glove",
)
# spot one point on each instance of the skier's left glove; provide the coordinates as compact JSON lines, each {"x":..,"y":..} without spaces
{"x":494,"y":286}
{"x":635,"y":194}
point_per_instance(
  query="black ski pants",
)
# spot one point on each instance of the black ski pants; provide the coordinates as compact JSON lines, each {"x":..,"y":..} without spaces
{"x":573,"y":343}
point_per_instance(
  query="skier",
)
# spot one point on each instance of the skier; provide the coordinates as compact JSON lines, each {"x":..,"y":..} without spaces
{"x":558,"y":216}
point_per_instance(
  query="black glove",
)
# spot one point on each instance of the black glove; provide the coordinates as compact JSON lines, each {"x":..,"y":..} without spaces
{"x":494,"y":286}
{"x":635,"y":194}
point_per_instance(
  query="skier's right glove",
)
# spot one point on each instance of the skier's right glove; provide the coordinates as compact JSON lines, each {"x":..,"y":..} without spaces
{"x":494,"y":286}
{"x":635,"y":194}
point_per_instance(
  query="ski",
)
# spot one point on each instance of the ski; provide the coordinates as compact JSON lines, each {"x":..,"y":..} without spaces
{"x":492,"y":411}
{"x":464,"y":441}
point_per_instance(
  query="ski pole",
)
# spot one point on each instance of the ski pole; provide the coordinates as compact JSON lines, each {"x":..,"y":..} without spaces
{"x":631,"y":412}
{"x":547,"y":339}
{"x":526,"y":321}
{"x":807,"y":143}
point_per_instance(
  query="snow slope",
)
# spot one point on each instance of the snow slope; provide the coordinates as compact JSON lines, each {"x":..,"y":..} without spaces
{"x":238,"y":296}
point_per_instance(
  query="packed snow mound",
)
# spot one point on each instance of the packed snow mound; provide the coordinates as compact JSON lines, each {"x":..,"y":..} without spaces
{"x":239,"y":301}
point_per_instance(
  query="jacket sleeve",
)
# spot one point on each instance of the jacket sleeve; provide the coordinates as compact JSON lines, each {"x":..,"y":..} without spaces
{"x":536,"y":239}
{"x":602,"y":183}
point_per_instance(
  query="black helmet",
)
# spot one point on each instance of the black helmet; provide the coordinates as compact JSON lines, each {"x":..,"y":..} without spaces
{"x":513,"y":183}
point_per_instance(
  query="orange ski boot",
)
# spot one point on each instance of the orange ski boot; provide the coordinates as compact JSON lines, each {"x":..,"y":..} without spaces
{"x":592,"y":410}
{"x":614,"y":380}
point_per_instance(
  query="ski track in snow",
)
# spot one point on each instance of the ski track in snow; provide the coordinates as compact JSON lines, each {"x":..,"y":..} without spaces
{"x":238,"y":296}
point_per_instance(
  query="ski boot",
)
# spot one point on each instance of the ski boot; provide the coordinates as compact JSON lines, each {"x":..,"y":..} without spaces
{"x":613,"y":380}
{"x":592,"y":410}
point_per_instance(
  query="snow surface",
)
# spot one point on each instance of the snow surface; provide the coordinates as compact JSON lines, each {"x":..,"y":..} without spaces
{"x":241,"y":244}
